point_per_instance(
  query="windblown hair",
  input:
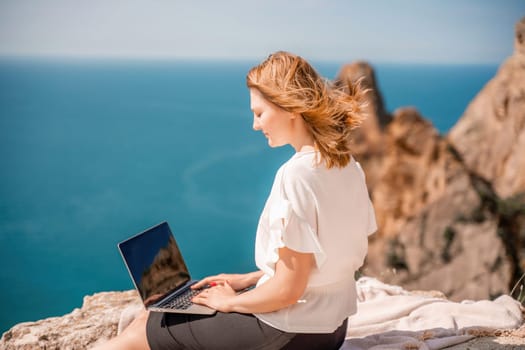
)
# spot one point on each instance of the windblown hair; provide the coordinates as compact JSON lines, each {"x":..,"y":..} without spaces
{"x":330,"y":113}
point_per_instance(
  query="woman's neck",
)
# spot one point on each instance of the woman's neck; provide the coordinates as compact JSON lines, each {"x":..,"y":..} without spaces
{"x":302,"y":139}
{"x":306,"y":148}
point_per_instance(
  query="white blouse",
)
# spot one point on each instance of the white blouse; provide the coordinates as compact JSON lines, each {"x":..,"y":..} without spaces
{"x":327,"y":212}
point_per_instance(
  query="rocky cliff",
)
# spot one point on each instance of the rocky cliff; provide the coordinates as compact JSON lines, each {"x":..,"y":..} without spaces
{"x":95,"y":322}
{"x":451,"y":209}
{"x":490,"y":137}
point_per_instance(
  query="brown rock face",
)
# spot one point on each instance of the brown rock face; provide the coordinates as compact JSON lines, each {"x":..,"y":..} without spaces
{"x":412,"y":147}
{"x":94,"y":323}
{"x":451,"y":210}
{"x":367,"y":140}
{"x":352,"y":73}
{"x":434,"y":217}
{"x":490,"y":137}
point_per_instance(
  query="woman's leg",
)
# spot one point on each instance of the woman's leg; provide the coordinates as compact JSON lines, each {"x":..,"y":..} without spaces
{"x":132,"y":338}
{"x":331,"y":341}
{"x":216,"y":332}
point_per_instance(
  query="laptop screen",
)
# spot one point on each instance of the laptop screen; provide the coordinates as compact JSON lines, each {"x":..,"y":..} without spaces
{"x":154,"y":262}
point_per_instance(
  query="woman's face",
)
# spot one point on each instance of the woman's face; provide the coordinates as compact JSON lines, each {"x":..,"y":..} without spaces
{"x":274,"y":122}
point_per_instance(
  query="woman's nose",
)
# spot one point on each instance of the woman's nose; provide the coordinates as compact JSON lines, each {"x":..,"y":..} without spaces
{"x":256,"y":125}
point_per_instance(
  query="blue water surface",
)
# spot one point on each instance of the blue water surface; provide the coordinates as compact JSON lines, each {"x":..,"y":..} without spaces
{"x":95,"y":151}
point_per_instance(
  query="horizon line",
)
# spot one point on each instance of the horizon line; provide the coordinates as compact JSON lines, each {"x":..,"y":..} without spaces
{"x":225,"y":59}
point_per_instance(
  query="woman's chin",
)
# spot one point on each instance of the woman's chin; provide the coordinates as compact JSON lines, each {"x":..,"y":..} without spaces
{"x":273,"y":144}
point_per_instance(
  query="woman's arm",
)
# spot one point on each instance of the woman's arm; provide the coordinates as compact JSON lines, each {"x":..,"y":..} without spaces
{"x":292,"y":271}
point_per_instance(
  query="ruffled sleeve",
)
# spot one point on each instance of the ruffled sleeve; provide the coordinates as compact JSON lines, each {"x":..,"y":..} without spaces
{"x":289,"y":228}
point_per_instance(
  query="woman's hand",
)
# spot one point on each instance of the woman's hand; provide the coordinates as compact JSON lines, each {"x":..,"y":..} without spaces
{"x":283,"y":289}
{"x":236,"y":281}
{"x":217,"y":297}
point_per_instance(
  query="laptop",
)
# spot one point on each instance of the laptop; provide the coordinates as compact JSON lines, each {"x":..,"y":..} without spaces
{"x":159,"y":273}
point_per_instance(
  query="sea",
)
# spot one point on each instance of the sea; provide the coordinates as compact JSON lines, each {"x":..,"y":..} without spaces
{"x":93,"y":151}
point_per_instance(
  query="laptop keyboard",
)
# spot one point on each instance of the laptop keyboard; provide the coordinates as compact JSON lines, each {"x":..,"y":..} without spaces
{"x":182,"y":301}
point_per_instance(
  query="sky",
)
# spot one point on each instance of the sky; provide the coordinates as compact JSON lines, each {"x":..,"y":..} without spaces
{"x":397,"y":31}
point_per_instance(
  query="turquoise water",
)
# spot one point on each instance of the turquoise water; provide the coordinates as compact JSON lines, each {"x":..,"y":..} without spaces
{"x":95,"y":151}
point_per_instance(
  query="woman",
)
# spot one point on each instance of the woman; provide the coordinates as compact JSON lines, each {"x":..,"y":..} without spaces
{"x":312,"y":234}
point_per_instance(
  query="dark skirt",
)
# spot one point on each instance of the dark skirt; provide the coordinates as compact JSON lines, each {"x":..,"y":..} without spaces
{"x":231,"y":331}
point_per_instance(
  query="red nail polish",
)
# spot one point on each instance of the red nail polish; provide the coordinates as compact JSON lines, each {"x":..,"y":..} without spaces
{"x":213,"y":284}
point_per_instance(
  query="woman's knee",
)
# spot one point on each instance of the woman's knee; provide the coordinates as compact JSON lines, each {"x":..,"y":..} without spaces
{"x":134,"y":335}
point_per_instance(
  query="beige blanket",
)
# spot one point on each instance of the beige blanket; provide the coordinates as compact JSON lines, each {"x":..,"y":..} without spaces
{"x":390,"y":317}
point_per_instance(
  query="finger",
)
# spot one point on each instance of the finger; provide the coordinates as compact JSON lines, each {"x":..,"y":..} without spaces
{"x":228,"y":285}
{"x":198,"y":299}
{"x":199,"y":284}
{"x":203,"y":282}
